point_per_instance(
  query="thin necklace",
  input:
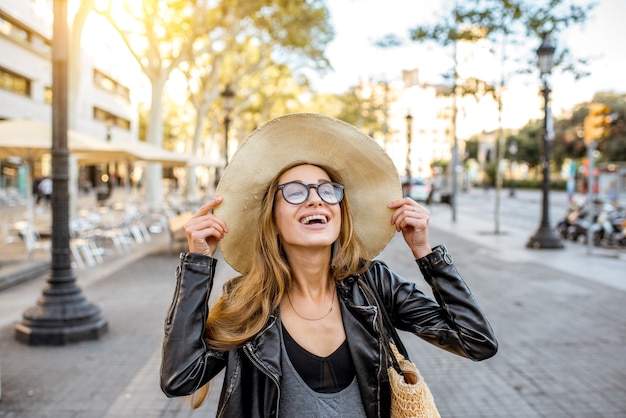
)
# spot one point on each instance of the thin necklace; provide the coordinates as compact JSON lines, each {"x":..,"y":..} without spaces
{"x":313,"y":319}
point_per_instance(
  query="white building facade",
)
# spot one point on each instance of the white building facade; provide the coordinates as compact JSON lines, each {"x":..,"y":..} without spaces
{"x":104,"y":88}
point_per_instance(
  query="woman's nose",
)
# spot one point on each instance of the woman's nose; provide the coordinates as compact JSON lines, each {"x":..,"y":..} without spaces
{"x":314,"y":196}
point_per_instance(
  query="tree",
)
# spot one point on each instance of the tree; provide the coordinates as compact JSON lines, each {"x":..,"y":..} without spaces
{"x":471,"y":148}
{"x":162,"y":35}
{"x":451,"y":33}
{"x":568,"y":139}
{"x":503,"y":22}
{"x":363,"y":106}
{"x":528,"y":140}
{"x":260,"y":59}
{"x":78,"y":22}
{"x":568,"y":142}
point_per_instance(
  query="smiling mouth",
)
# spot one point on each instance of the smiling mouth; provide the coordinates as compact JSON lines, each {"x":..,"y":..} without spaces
{"x":314,"y":219}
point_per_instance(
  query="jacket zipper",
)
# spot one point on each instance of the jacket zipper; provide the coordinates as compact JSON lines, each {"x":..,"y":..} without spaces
{"x":170,"y":314}
{"x":264,"y":370}
{"x":367,"y":293}
{"x":229,"y":390}
{"x":205,"y":315}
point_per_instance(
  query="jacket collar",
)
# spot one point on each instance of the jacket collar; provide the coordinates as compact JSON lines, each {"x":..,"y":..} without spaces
{"x":264,"y":349}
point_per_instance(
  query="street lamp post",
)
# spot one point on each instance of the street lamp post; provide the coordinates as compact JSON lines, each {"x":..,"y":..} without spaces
{"x":228,"y":101}
{"x":409,"y":140}
{"x":512,"y":153}
{"x":545,"y":237}
{"x":62,"y":315}
{"x":109,"y":127}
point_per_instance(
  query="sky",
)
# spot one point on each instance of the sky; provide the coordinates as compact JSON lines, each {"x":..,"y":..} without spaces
{"x":358,"y":23}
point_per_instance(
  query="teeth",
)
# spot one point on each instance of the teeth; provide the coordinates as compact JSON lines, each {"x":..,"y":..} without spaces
{"x":312,"y":218}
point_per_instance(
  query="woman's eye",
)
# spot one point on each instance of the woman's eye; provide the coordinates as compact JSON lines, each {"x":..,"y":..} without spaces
{"x":295,"y":192}
{"x":327,"y":193}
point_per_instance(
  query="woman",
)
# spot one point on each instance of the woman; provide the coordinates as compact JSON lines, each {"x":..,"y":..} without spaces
{"x":304,"y":205}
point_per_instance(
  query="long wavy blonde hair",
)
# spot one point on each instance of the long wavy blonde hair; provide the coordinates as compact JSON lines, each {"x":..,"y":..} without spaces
{"x":248,"y":301}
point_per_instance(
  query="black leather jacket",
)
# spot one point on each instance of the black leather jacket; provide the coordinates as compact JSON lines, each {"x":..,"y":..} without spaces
{"x":251,"y":387}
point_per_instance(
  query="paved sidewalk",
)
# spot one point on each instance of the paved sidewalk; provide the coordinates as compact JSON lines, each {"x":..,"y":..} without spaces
{"x":561,"y":331}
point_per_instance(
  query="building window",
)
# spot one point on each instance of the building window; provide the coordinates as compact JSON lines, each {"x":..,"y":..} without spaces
{"x":14,"y":82}
{"x":48,"y":95}
{"x":107,"y":83}
{"x":103,"y":116}
{"x":22,"y":34}
{"x":14,"y":31}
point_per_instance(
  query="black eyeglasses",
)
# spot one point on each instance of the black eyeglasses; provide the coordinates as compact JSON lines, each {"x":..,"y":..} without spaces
{"x":296,"y":193}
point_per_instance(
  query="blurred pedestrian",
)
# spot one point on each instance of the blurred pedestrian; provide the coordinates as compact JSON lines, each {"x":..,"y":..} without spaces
{"x":45,"y":189}
{"x":611,"y":193}
{"x":303,"y":207}
{"x":36,"y":191}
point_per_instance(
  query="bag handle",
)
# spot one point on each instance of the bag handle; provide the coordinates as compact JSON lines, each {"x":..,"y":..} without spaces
{"x":368,"y":283}
{"x":386,"y":327}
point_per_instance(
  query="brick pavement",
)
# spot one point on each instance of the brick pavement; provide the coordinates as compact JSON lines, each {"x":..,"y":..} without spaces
{"x":561,"y":342}
{"x":561,"y":338}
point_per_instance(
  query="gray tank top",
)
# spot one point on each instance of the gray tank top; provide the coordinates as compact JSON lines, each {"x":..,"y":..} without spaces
{"x":299,"y":400}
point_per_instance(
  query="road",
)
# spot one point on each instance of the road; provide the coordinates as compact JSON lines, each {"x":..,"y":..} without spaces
{"x":521,"y":211}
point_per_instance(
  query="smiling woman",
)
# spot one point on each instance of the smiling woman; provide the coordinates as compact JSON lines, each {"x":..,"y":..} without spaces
{"x":316,"y":140}
{"x":303,"y":207}
{"x":311,"y":219}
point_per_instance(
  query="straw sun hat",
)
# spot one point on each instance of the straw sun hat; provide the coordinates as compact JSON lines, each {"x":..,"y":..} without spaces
{"x":370,"y":178}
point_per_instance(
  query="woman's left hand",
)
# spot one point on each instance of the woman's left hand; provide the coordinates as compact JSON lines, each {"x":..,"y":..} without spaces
{"x":412,"y":219}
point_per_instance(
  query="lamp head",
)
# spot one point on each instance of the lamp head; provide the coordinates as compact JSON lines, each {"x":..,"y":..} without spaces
{"x":228,"y":98}
{"x":545,"y":55}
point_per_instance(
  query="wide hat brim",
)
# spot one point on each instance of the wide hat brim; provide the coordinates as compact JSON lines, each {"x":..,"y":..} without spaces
{"x":369,"y":175}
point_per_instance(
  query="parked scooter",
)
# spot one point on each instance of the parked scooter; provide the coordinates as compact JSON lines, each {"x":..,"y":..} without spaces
{"x":610,"y":226}
{"x":606,"y":222}
{"x":575,"y":222}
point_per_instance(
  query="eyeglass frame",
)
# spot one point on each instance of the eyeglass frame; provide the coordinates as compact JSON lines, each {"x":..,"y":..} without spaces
{"x":336,"y":186}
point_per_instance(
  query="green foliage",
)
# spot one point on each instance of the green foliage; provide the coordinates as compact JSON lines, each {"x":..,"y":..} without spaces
{"x":259,"y":47}
{"x":517,"y":21}
{"x":363,"y":106}
{"x":361,"y":110}
{"x":534,"y":183}
{"x":568,"y":142}
{"x":490,"y":171}
{"x":529,"y":143}
{"x":298,"y":28}
{"x":443,"y":164}
{"x":471,"y":149}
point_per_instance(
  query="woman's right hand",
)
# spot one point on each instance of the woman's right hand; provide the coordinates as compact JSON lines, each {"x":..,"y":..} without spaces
{"x":205,"y":230}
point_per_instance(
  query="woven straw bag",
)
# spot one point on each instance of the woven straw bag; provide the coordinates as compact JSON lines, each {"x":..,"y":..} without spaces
{"x":410,"y":396}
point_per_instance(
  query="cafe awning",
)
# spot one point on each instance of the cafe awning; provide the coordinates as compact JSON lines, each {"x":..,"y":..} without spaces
{"x":143,"y":151}
{"x":30,"y":139}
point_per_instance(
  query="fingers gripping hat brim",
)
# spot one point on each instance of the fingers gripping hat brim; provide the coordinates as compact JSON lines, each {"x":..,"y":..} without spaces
{"x":370,"y":178}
